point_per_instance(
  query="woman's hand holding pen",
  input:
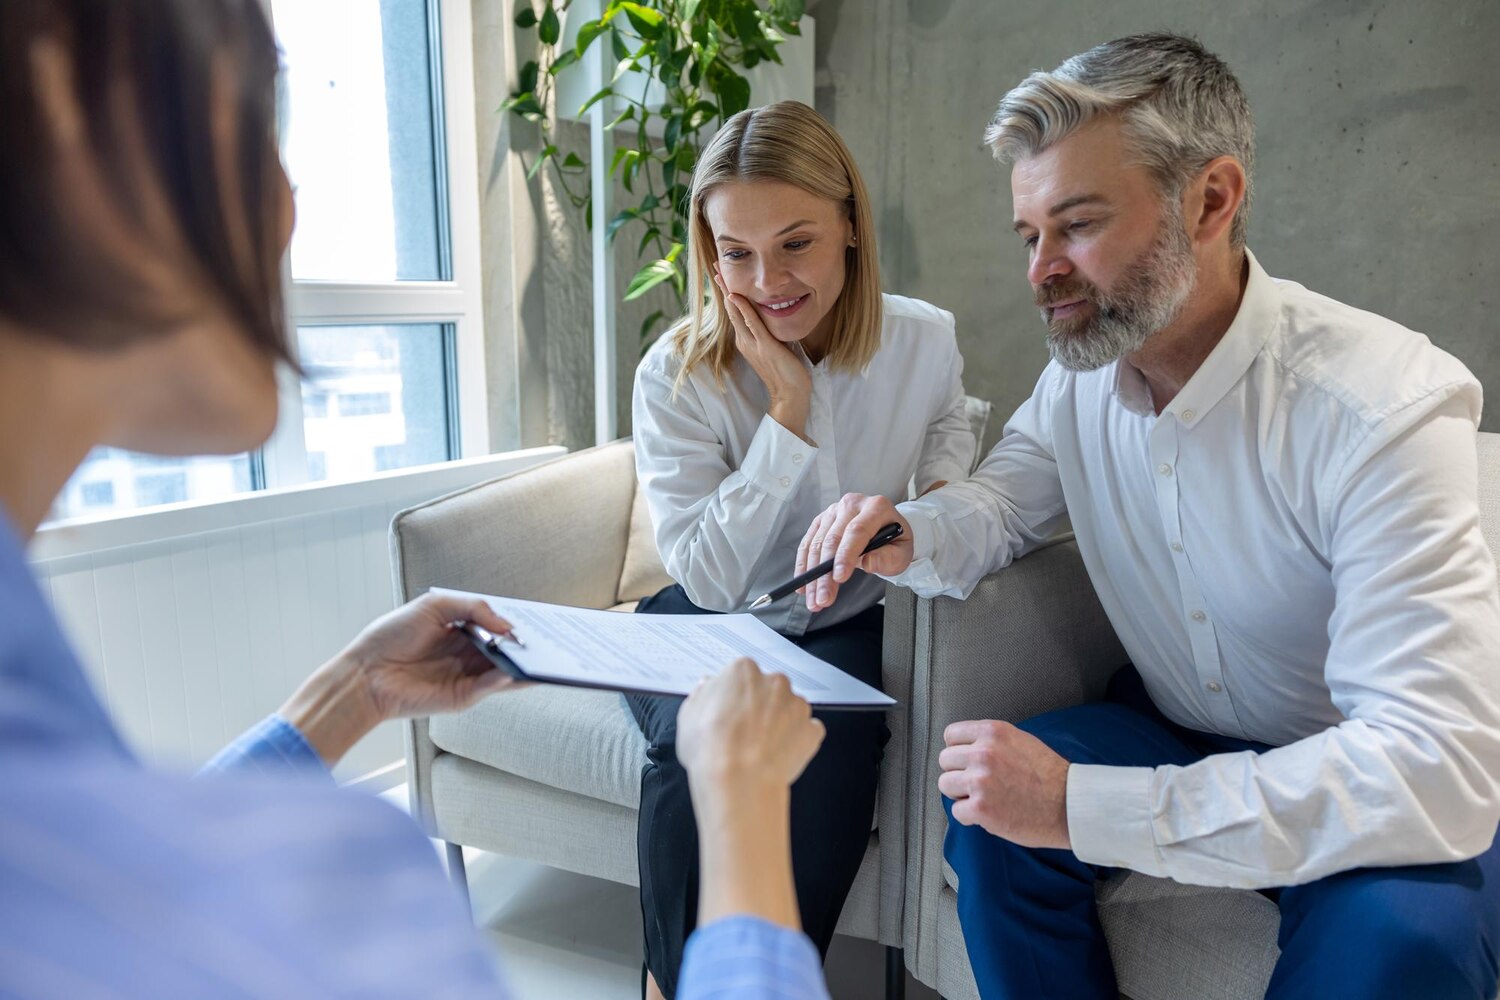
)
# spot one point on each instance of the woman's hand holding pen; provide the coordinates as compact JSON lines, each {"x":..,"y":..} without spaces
{"x":778,"y":366}
{"x":841,"y":533}
{"x":409,"y":662}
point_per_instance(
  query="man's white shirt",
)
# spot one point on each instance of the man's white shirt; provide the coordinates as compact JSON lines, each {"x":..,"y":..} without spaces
{"x":1290,"y":553}
{"x":731,"y":491}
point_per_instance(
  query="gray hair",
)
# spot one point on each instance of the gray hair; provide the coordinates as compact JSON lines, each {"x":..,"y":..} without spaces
{"x":1179,"y":105}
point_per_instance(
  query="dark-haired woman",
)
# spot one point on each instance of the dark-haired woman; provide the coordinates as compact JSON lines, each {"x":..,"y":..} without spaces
{"x":143,"y":214}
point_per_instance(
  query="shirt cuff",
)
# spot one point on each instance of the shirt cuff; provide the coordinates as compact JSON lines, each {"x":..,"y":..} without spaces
{"x":777,"y":459}
{"x":272,"y":745}
{"x":1109,"y":817}
{"x":743,"y":956}
{"x":921,"y":576}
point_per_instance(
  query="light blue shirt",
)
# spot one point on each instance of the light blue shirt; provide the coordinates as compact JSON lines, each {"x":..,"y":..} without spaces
{"x":261,"y":879}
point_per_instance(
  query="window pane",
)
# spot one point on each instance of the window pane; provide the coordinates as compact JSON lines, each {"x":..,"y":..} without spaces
{"x":114,"y":480}
{"x":375,"y":398}
{"x":360,"y":140}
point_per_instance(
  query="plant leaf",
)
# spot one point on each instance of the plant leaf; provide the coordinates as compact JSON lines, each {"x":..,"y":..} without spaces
{"x":625,"y":66}
{"x":525,"y":17}
{"x":734,"y":94}
{"x":650,"y":235}
{"x":528,"y":77}
{"x":545,"y":155}
{"x":562,"y":62}
{"x":524,"y":105}
{"x":573,"y":163}
{"x":617,"y":44}
{"x":620,"y":219}
{"x":549,"y":27}
{"x":646,"y":325}
{"x":624,"y":116}
{"x":601,"y":95}
{"x":621,"y":155}
{"x":747,"y":25}
{"x":586,"y":35}
{"x":647,"y":22}
{"x":649,"y":277}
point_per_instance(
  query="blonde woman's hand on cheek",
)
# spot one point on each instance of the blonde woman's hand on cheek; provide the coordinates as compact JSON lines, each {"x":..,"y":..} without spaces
{"x":777,"y":364}
{"x":744,"y":728}
{"x":841,"y":533}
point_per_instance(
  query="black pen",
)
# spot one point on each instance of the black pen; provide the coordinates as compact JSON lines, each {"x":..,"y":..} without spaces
{"x":485,"y":636}
{"x":884,"y":536}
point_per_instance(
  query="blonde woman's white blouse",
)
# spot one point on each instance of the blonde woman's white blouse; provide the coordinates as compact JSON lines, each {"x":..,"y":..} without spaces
{"x":731,"y":491}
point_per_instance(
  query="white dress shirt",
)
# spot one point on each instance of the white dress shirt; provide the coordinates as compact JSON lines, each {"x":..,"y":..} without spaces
{"x":731,"y":491}
{"x":1291,"y":554}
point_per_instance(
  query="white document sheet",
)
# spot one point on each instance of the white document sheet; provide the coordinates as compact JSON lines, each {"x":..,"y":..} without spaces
{"x":662,"y":654}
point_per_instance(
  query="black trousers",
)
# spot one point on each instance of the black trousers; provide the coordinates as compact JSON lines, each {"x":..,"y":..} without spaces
{"x":833,"y":802}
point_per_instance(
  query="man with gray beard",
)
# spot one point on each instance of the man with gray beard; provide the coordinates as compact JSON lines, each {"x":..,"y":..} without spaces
{"x":1275,"y":496}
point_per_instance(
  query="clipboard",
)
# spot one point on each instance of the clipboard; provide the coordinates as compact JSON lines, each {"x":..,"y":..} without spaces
{"x":495,"y":649}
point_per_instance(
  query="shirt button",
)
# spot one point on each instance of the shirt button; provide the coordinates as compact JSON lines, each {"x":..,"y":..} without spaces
{"x":1214,"y":686}
{"x":1188,"y":414}
{"x":1199,"y":616}
{"x":797,"y":458}
{"x":786,"y":480}
{"x":1164,"y":469}
{"x":1176,"y":546}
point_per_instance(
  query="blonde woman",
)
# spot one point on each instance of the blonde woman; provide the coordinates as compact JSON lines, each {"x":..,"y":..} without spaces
{"x":793,"y":382}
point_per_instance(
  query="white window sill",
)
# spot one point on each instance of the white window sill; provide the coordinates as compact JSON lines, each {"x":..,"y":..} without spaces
{"x":85,"y":535}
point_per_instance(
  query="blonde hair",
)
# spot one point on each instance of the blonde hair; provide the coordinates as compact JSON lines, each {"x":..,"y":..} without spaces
{"x":789,"y":142}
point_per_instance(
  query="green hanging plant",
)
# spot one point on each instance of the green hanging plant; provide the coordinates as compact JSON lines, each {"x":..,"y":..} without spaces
{"x":693,"y":49}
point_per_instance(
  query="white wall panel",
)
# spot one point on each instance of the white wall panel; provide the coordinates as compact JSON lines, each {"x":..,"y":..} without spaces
{"x":195,"y":622}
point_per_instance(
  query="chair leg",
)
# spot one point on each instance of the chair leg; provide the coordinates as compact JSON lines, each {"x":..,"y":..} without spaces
{"x":457,"y":873}
{"x":895,"y":974}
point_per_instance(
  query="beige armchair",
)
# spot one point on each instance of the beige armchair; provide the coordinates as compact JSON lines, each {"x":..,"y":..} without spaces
{"x":1030,"y":639}
{"x":553,"y":774}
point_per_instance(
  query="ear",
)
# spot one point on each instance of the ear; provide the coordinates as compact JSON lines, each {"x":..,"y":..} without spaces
{"x":1214,"y":198}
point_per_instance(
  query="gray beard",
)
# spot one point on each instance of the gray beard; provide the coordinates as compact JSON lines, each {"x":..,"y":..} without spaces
{"x":1146,"y":300}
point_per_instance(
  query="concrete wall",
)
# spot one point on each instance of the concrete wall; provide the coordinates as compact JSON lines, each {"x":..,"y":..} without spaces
{"x":537,"y":269}
{"x":1378,"y":180}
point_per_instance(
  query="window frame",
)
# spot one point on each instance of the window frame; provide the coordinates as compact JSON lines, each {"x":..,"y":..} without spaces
{"x":456,"y":303}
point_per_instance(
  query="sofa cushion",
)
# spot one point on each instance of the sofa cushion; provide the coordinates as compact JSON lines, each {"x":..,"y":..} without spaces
{"x":570,"y":738}
{"x":1173,"y":940}
{"x":643,"y":573}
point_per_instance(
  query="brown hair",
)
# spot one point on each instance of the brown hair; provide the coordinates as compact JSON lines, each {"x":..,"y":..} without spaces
{"x":139,"y":179}
{"x":790,"y":142}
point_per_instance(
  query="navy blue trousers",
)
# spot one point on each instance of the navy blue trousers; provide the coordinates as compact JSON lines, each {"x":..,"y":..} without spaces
{"x":833,"y":802}
{"x":1032,"y":929}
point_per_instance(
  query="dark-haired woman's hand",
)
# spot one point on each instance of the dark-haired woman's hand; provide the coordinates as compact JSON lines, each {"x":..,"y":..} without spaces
{"x":409,"y":662}
{"x":786,"y":377}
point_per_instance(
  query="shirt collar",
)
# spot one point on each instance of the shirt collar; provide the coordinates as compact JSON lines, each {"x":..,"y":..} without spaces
{"x":1236,"y":350}
{"x":1129,"y":386}
{"x":1224,"y":366}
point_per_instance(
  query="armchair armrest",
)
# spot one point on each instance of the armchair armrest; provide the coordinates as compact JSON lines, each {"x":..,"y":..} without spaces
{"x":556,"y":533}
{"x":1029,"y":639}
